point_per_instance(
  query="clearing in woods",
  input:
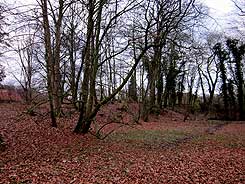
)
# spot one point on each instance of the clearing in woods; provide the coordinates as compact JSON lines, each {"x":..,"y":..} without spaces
{"x":164,"y":150}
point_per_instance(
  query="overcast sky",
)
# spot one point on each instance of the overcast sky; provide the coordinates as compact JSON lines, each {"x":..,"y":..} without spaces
{"x":220,"y":10}
{"x":219,"y":7}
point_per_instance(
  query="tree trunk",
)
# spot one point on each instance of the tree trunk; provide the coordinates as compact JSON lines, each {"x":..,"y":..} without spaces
{"x":81,"y":126}
{"x":240,"y":91}
{"x":224,"y":88}
{"x":132,"y":88}
{"x":57,"y":75}
{"x":160,"y":89}
{"x":48,"y":58}
{"x":85,"y":120}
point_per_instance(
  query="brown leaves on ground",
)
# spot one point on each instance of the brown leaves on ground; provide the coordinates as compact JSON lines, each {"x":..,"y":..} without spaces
{"x":167,"y":150}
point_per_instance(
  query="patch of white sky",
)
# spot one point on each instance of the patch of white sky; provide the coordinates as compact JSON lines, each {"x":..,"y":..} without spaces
{"x":222,"y":15}
{"x":219,"y":7}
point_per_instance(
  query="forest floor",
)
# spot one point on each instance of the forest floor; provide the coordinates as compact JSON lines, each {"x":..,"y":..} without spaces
{"x":164,"y":150}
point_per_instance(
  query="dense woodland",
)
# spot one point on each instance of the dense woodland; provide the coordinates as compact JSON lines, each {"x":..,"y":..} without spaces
{"x":158,"y":53}
{"x":121,"y":91}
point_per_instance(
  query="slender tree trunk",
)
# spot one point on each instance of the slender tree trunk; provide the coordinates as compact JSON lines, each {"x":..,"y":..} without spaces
{"x":48,"y":58}
{"x":82,"y":121}
{"x":224,"y":88}
{"x":57,"y":75}
{"x":240,"y":90}
{"x":132,"y":88}
{"x":73,"y":88}
{"x":160,"y":89}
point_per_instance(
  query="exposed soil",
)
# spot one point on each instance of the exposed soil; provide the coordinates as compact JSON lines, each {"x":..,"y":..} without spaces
{"x":164,"y":150}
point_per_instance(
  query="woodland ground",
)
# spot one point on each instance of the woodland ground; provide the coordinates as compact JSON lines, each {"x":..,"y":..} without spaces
{"x":163,"y":150}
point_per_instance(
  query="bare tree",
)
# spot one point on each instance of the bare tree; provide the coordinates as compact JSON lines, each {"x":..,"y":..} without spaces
{"x":25,"y":52}
{"x":73,"y":48}
{"x":95,"y":38}
{"x":52,"y":51}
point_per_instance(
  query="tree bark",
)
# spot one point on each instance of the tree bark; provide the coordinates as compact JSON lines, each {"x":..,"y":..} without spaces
{"x":49,"y":60}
